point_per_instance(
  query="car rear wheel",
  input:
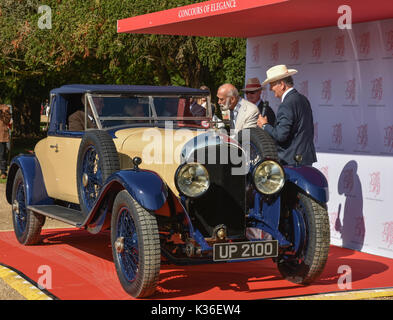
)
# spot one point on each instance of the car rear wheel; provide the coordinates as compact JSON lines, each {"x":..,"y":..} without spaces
{"x":27,"y":224}
{"x":308,"y":228}
{"x":135,"y":246}
{"x":97,"y":160}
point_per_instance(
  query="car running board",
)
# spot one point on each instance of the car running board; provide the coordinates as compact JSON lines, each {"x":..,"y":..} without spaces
{"x":67,"y":215}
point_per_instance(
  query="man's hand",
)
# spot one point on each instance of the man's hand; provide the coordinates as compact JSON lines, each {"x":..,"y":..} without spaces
{"x":261,"y":121}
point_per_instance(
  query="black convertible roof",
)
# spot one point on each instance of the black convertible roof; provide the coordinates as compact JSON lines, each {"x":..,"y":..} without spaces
{"x":130,"y":89}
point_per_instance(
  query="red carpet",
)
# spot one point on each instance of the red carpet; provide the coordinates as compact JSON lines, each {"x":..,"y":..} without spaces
{"x":82,"y":268}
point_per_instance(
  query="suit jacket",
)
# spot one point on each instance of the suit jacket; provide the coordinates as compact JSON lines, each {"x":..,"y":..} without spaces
{"x":197,"y":110}
{"x":247,"y":115}
{"x":294,"y":130}
{"x":5,"y":118}
{"x":271,"y":117}
{"x":76,"y":121}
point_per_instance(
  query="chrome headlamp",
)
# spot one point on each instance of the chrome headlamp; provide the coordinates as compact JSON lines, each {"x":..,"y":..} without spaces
{"x":192,"y":179}
{"x":269,"y":177}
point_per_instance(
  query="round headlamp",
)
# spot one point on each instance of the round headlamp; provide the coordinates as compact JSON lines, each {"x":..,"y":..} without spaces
{"x":192,"y":179}
{"x":269,"y":177}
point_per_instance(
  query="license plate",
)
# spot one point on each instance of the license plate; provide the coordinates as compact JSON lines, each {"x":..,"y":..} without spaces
{"x":245,"y":250}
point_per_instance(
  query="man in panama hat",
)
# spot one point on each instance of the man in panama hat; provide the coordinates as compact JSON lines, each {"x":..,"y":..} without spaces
{"x":253,"y":92}
{"x":294,"y":128}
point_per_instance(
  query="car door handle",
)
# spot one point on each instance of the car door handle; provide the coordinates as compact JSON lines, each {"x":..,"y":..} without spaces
{"x":56,"y":147}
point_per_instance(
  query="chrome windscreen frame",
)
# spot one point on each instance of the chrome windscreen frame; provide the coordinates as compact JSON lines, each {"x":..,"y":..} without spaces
{"x":152,"y":118}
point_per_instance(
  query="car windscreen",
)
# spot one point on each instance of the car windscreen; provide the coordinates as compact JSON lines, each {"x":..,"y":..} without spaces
{"x":122,"y":110}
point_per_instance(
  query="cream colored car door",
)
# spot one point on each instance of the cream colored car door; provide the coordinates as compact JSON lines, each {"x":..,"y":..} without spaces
{"x":58,"y":159}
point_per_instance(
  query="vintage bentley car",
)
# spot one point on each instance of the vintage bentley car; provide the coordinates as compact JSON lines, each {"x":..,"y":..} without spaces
{"x":149,"y":164}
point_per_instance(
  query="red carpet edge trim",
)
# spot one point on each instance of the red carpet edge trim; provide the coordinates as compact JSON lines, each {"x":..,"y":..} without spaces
{"x":341,"y":292}
{"x":32,"y":282}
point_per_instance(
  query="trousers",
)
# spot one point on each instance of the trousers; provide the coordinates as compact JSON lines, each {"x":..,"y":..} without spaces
{"x":3,"y":157}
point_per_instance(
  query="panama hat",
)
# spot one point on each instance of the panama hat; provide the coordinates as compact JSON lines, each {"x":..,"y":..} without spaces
{"x":277,"y":73}
{"x":252,"y":84}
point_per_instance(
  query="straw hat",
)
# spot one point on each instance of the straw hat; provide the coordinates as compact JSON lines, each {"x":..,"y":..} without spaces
{"x":277,"y":73}
{"x":253,"y":84}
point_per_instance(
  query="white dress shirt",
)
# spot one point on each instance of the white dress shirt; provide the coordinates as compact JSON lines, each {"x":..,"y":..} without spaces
{"x":285,"y":93}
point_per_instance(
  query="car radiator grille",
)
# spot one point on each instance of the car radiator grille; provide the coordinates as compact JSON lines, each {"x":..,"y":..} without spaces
{"x":224,"y":203}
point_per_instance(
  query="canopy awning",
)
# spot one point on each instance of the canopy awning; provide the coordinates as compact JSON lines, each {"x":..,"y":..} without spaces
{"x":251,"y":18}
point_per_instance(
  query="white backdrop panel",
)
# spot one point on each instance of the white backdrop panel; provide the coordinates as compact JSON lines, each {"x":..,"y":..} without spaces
{"x":348,"y":77}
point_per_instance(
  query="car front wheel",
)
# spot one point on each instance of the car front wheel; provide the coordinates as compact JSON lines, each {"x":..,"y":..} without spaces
{"x":135,"y":246}
{"x":307,"y":225}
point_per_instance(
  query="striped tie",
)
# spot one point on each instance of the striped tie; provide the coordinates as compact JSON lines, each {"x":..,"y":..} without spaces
{"x":233,"y":121}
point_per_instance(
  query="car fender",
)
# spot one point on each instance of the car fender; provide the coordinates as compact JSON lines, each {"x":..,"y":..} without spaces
{"x":35,"y":189}
{"x":309,"y":179}
{"x":145,"y":187}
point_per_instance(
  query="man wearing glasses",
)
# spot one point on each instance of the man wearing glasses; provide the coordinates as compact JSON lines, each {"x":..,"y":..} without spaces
{"x":243,"y":114}
{"x":253,"y":91}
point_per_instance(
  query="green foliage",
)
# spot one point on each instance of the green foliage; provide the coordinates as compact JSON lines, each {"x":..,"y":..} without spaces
{"x":83,"y":46}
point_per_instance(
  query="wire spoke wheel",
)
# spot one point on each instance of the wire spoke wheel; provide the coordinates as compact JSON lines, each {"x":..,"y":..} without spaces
{"x":97,"y":160}
{"x":91,"y":176}
{"x":20,"y":215}
{"x":27,"y":224}
{"x":254,"y":156}
{"x":128,"y":254}
{"x":135,"y":246}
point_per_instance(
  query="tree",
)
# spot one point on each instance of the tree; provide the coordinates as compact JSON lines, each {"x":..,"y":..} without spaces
{"x":83,"y":46}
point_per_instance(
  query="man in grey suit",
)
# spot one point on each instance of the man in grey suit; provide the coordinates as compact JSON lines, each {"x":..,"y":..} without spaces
{"x":243,"y":114}
{"x":294,"y":129}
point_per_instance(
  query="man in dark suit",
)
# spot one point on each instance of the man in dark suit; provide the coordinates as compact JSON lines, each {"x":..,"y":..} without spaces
{"x":294,"y":129}
{"x":197,"y":110}
{"x":253,"y":91}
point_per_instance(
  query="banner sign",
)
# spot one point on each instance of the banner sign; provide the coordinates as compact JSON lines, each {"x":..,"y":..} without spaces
{"x":348,"y":77}
{"x":213,"y":8}
{"x":207,"y":8}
